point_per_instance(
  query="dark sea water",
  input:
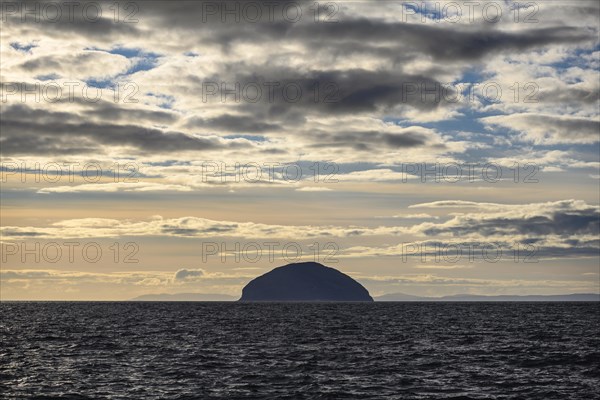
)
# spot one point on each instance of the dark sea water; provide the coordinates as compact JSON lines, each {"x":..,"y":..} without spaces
{"x":300,"y":351}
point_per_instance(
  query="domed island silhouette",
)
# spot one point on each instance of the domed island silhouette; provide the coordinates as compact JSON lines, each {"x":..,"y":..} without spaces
{"x":305,"y":281}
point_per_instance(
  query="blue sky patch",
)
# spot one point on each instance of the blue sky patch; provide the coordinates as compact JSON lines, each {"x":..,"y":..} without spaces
{"x":143,"y":61}
{"x":254,"y":138}
{"x":24,"y":48}
{"x":166,"y":101}
{"x":48,"y":77}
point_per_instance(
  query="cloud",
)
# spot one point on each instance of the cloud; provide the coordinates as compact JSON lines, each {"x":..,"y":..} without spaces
{"x":185,"y":227}
{"x":443,"y":44}
{"x":375,"y":175}
{"x":367,"y":141}
{"x":86,"y":64}
{"x":562,"y":218}
{"x":50,"y":133}
{"x":567,"y":228}
{"x":372,"y":66}
{"x":549,"y":129}
{"x":233,"y":123}
{"x":184,"y":274}
{"x":116,"y":187}
{"x":413,"y":216}
{"x":459,"y":204}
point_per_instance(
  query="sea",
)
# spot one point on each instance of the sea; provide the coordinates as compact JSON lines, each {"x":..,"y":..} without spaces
{"x":211,"y":350}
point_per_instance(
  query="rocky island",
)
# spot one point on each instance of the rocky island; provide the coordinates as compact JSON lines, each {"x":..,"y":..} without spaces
{"x":306,"y":281}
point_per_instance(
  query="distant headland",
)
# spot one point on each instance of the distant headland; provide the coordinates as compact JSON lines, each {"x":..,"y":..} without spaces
{"x":305,"y":281}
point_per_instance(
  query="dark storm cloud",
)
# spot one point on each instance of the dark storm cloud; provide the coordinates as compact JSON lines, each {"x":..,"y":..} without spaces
{"x":27,"y":131}
{"x":215,"y":229}
{"x":20,"y":233}
{"x":233,"y":123}
{"x":570,"y":95}
{"x":546,"y":252}
{"x":440,"y":43}
{"x":352,"y":33}
{"x":7,"y":275}
{"x":370,"y":140}
{"x":524,"y":251}
{"x":212,"y":17}
{"x":46,"y":62}
{"x":282,"y":93}
{"x":180,"y":231}
{"x":95,"y":106}
{"x":66,"y":22}
{"x":342,"y":90}
{"x":273,"y":151}
{"x":33,"y":145}
{"x":552,"y":128}
{"x":110,"y":111}
{"x":560,"y":223}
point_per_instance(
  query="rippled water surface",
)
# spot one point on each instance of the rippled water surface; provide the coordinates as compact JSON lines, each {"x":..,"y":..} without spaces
{"x":300,"y":351}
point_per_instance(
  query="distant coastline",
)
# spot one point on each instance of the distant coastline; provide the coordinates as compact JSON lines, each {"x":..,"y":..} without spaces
{"x":399,"y":297}
{"x":185,"y":297}
{"x":469,"y":297}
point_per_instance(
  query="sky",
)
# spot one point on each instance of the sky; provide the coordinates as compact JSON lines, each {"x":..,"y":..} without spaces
{"x":427,"y":148}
